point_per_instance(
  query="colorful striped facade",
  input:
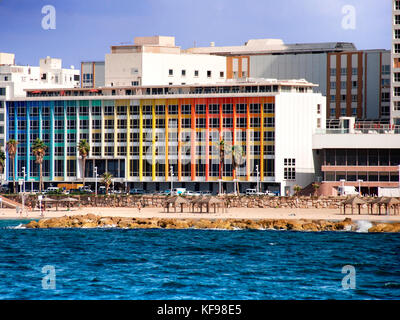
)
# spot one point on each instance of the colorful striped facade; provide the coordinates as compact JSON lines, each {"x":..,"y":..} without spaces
{"x":139,"y":138}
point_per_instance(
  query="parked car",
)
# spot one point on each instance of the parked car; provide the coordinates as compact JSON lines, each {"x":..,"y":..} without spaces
{"x":4,"y":189}
{"x":269,"y":193}
{"x":251,"y":192}
{"x":137,"y":191}
{"x":85,"y":189}
{"x":178,"y":191}
{"x":52,"y":190}
{"x":192,"y":193}
{"x":206,"y":193}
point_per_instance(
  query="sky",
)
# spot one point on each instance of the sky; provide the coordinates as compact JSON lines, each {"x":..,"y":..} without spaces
{"x":85,"y":29}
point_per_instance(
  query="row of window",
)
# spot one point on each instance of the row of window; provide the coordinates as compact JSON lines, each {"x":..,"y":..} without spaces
{"x":196,"y":73}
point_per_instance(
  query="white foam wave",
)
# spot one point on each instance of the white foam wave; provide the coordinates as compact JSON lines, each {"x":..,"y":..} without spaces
{"x":363,"y":225}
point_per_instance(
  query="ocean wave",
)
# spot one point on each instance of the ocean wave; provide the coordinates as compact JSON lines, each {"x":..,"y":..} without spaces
{"x":363,"y":226}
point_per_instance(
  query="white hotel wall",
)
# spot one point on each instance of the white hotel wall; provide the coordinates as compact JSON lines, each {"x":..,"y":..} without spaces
{"x":295,"y":123}
{"x":156,"y":68}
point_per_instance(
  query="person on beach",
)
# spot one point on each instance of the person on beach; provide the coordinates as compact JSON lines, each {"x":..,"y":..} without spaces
{"x":139,"y":206}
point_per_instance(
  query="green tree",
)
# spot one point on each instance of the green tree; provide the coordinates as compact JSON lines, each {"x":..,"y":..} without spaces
{"x":2,"y":161}
{"x":316,"y":187}
{"x":107,"y":180}
{"x":83,"y":148}
{"x":12,"y":151}
{"x":297,"y":189}
{"x":39,"y":151}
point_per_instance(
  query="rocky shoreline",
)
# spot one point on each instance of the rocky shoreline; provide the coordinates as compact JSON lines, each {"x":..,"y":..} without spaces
{"x":94,"y":221}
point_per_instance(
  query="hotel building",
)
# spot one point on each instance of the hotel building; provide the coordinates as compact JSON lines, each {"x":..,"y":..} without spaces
{"x":355,"y":82}
{"x":395,"y":75}
{"x":137,"y":134}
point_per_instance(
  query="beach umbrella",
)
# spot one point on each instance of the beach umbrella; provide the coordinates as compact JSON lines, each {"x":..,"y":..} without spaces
{"x":69,"y":200}
{"x":211,"y":201}
{"x":353,"y":201}
{"x":176,"y":200}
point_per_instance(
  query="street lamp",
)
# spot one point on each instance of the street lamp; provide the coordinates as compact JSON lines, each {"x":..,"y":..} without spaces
{"x":359,"y":186}
{"x":258,"y":188}
{"x":172,"y":179}
{"x":95,"y":175}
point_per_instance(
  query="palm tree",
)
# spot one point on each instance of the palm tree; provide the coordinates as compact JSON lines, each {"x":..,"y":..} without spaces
{"x":316,"y":187}
{"x":83,"y":148}
{"x":297,"y":189}
{"x":237,"y":156}
{"x":107,"y":180}
{"x":39,"y":151}
{"x":2,"y":161}
{"x":12,"y":151}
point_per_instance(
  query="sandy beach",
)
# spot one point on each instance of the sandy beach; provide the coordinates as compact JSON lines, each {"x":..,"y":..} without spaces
{"x":233,"y":213}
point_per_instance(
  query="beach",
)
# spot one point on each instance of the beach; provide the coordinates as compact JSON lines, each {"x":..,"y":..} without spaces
{"x":232,"y":213}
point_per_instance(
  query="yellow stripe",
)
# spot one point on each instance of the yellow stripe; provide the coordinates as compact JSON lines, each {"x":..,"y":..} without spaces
{"x":166,"y":141}
{"x":141,"y":141}
{"x":153,"y":155}
{"x":128,"y":140}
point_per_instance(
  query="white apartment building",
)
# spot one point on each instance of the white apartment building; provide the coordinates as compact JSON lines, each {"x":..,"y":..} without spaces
{"x":157,"y":61}
{"x":395,"y":82}
{"x":15,"y":79}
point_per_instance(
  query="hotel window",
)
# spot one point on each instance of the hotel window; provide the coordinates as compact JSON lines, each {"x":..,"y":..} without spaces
{"x":59,"y":111}
{"x":396,"y":48}
{"x":96,"y":151}
{"x":228,"y":122}
{"x":134,"y":110}
{"x":396,"y":105}
{"x":71,"y":137}
{"x":183,"y":73}
{"x":208,"y":73}
{"x":134,"y":151}
{"x":109,"y":124}
{"x":269,"y":122}
{"x":397,"y":19}
{"x":221,"y":74}
{"x":200,"y":109}
{"x":255,"y":122}
{"x":148,"y":123}
{"x":109,"y":137}
{"x":59,"y":124}
{"x":386,"y":69}
{"x":333,"y":72}
{"x":71,"y":124}
{"x":109,"y":110}
{"x":254,"y":108}
{"x":170,"y":72}
{"x":343,"y":98}
{"x":397,"y":34}
{"x":121,"y":123}
{"x":71,"y":111}
{"x":354,"y":98}
{"x":96,"y":137}
{"x":333,"y":85}
{"x":45,"y":111}
{"x":96,"y":124}
{"x":71,"y":168}
{"x":186,"y":123}
{"x":269,"y":108}
{"x":186,"y":109}
{"x":289,"y":172}
{"x":135,"y":83}
{"x":227,"y":108}
{"x":318,"y":109}
{"x":397,"y":5}
{"x":173,"y":109}
{"x":160,"y":123}
{"x":83,"y":111}
{"x":241,"y":122}
{"x":109,"y":151}
{"x":96,"y":111}
{"x":269,"y":136}
{"x":354,"y":84}
{"x":385,"y":97}
{"x":385,"y":82}
{"x":147,"y":110}
{"x":134,"y":136}
{"x":343,"y":71}
{"x":121,"y":151}
{"x":196,"y":73}
{"x":213,"y":109}
{"x":241,"y":108}
{"x":397,"y":76}
{"x":354,"y":111}
{"x":71,"y":151}
{"x":200,"y":122}
{"x":354,"y":71}
{"x":121,"y":110}
{"x":214,"y":122}
{"x":343,"y":111}
{"x":396,"y":91}
{"x":343,"y":84}
{"x":160,"y":109}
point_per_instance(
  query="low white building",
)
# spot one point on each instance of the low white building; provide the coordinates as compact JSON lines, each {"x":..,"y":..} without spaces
{"x":157,"y":61}
{"x":15,"y":79}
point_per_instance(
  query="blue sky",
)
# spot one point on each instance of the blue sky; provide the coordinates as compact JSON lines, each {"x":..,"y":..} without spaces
{"x":85,"y":29}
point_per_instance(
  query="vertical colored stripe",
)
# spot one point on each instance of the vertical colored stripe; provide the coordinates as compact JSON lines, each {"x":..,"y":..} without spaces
{"x":207,"y":137}
{"x":153,"y":143}
{"x":179,"y":139}
{"x":262,"y":139}
{"x":166,"y":142}
{"x":193,"y":142}
{"x":141,"y":140}
{"x":248,"y":142}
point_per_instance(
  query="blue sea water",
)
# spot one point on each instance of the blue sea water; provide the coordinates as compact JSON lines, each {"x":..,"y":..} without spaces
{"x":195,"y":264}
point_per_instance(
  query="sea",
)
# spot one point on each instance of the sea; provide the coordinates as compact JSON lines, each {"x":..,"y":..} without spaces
{"x":154,"y":264}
